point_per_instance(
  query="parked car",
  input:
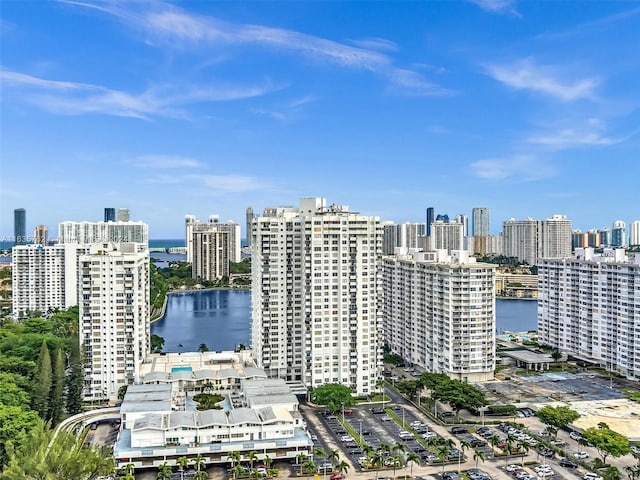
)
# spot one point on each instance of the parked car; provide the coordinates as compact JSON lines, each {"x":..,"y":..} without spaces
{"x":576,"y":436}
{"x":458,"y":430}
{"x":377,"y":411}
{"x":568,"y":463}
{"x":546,"y":452}
{"x":581,"y":455}
{"x":558,"y":442}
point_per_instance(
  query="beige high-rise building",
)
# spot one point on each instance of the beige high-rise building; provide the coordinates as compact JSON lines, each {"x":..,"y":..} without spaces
{"x":40,"y":235}
{"x":439,"y":312}
{"x":113,"y":284}
{"x":315,"y":290}
{"x":447,"y":236}
{"x":213,"y":225}
{"x":210,"y":254}
{"x":82,"y":233}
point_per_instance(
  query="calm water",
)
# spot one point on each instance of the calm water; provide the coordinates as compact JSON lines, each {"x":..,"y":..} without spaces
{"x":221,"y":319}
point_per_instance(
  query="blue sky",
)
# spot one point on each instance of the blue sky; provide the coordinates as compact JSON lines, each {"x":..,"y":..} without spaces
{"x":528,"y":108}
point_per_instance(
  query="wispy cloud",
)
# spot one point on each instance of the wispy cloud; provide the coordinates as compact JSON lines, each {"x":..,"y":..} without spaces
{"x":229,"y":183}
{"x":526,"y":75}
{"x":72,"y":98}
{"x":590,"y":133}
{"x":598,"y":24}
{"x":166,"y":161}
{"x":437,"y":130}
{"x":498,"y":6}
{"x":376,"y":44}
{"x":515,"y":168}
{"x":168,"y":24}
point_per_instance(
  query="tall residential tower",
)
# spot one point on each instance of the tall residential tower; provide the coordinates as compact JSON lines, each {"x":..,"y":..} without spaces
{"x":315,"y":295}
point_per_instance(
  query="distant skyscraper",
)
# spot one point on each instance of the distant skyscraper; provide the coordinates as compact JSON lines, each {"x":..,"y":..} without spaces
{"x":431,"y":217}
{"x":464,"y":220}
{"x":40,"y":235}
{"x":123,"y":214}
{"x":447,"y":236}
{"x":109,"y":214}
{"x":315,"y":291}
{"x":20,"y":226}
{"x":231,"y":244}
{"x":605,"y":237}
{"x":480,"y":221}
{"x":249,"y":221}
{"x":619,"y":234}
{"x":91,"y":232}
{"x":442,"y":217}
{"x":555,"y":237}
{"x":520,"y":239}
{"x":635,"y":233}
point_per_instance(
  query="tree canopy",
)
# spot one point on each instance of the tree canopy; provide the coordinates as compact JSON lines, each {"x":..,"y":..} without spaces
{"x":459,"y":395}
{"x":607,"y":441}
{"x":557,"y":417}
{"x":333,"y":395}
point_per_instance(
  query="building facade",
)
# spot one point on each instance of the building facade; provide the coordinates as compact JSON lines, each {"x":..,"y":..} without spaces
{"x":83,"y":233}
{"x":44,"y":278}
{"x":439,"y":312}
{"x":555,"y":236}
{"x":109,"y":214}
{"x":480,"y":222}
{"x":123,"y":215}
{"x":113,"y":284}
{"x":249,"y":221}
{"x":520,"y":239}
{"x":20,"y":226}
{"x":634,"y":235}
{"x":210,"y":254}
{"x":589,"y":307}
{"x":447,"y":236}
{"x":315,"y":289}
{"x":619,"y":237}
{"x":40,"y":235}
{"x":213,"y":226}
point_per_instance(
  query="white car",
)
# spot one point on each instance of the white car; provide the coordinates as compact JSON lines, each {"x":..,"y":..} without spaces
{"x":576,"y":436}
{"x":558,"y":442}
{"x":581,"y":455}
{"x":512,"y":467}
{"x":346,"y":438}
{"x":591,"y":476}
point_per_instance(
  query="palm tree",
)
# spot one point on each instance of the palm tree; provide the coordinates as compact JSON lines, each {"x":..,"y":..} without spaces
{"x":202,"y":475}
{"x":377,"y":461}
{"x":396,"y":461}
{"x":478,"y":455}
{"x":319,"y":452}
{"x":128,"y":470}
{"x":237,"y":470}
{"x":399,"y":447}
{"x":524,"y":446}
{"x":508,"y":447}
{"x":494,"y":441}
{"x":632,"y":472}
{"x":385,"y":450}
{"x":301,"y":458}
{"x":413,"y":457}
{"x":309,"y":467}
{"x":342,"y":467}
{"x":442,"y":450}
{"x":252,"y":456}
{"x":464,"y":444}
{"x":334,"y":455}
{"x":267,"y":460}
{"x":273,"y":472}
{"x":164,"y":471}
{"x":199,"y":462}
{"x":235,"y":458}
{"x":182,"y":463}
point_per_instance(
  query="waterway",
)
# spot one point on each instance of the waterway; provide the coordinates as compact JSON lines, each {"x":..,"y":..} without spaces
{"x":221,"y":319}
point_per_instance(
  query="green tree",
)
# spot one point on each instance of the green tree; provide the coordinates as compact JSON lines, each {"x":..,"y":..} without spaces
{"x":64,"y":457}
{"x":164,"y":471}
{"x":607,"y":441}
{"x":557,"y":417}
{"x":42,"y":382}
{"x":252,"y":456}
{"x":203,"y":348}
{"x":459,"y":395}
{"x":157,"y":343}
{"x":122,"y":391}
{"x":413,"y":458}
{"x":183,"y":463}
{"x":333,"y":395}
{"x":478,"y":455}
{"x":333,"y":456}
{"x":13,"y":390}
{"x":75,"y":380}
{"x":199,"y":463}
{"x":15,"y":422}
{"x":464,"y":444}
{"x":57,"y":387}
{"x":235,"y":457}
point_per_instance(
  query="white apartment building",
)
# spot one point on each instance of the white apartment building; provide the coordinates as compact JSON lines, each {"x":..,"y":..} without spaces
{"x":44,"y":278}
{"x":447,"y":236}
{"x":161,"y":423}
{"x":210,"y":255}
{"x":113,"y":284}
{"x":589,"y":307}
{"x":82,"y":233}
{"x":528,"y":240}
{"x":231,"y":229}
{"x":634,"y":235}
{"x":315,"y":294}
{"x":439,"y":312}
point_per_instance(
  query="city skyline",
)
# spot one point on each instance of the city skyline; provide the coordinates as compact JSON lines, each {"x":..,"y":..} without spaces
{"x":527,"y":108}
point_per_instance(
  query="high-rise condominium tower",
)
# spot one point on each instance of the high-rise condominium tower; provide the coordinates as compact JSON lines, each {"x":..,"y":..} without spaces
{"x":315,"y":295}
{"x":40,"y":235}
{"x":555,"y":237}
{"x":113,"y":284}
{"x":44,"y":277}
{"x":588,"y":306}
{"x":480,"y":222}
{"x":634,"y":237}
{"x":447,"y":236}
{"x":193,"y":238}
{"x":249,"y":221}
{"x":123,"y":214}
{"x":109,"y":214}
{"x":20,"y":226}
{"x":528,"y":240}
{"x":431,"y":217}
{"x":95,"y":232}
{"x":619,"y":234}
{"x":432,"y":321}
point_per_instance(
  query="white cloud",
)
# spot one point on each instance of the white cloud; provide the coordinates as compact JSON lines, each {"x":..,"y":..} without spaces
{"x":376,"y":44}
{"x":229,"y":183}
{"x":166,"y":161}
{"x":169,"y":24}
{"x":514,"y":168}
{"x":526,"y":75}
{"x":498,"y":6}
{"x":72,"y":98}
{"x":591,"y":133}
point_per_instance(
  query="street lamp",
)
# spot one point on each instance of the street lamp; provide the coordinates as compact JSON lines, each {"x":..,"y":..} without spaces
{"x":343,"y":410}
{"x":403,"y":417}
{"x":360,"y":431}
